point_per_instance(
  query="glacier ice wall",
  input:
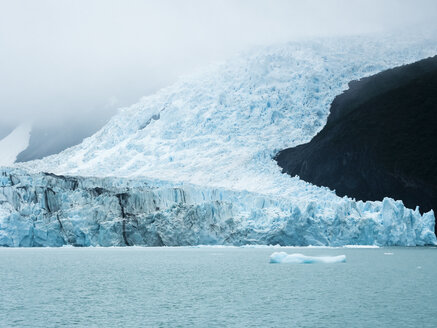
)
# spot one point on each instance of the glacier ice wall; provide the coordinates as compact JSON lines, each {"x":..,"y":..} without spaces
{"x":212,"y":137}
{"x":48,"y":210}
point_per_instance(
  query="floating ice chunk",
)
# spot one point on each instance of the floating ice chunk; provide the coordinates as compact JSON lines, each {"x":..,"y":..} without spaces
{"x":388,"y":253}
{"x":282,"y":257}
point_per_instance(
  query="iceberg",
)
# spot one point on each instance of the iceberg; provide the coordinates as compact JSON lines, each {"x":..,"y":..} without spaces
{"x":296,"y":258}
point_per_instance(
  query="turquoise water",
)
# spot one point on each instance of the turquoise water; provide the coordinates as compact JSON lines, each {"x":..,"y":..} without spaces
{"x":216,"y":287}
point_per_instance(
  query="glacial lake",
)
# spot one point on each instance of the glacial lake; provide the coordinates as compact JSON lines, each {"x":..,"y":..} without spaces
{"x":216,"y":287}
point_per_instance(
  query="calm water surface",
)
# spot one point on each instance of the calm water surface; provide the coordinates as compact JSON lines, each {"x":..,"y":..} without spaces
{"x":216,"y":287}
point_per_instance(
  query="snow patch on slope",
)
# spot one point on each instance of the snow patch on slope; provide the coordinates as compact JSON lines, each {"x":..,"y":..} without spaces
{"x":14,"y":143}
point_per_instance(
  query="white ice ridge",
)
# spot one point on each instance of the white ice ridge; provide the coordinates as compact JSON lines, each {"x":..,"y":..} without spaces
{"x":216,"y":133}
{"x":296,"y":258}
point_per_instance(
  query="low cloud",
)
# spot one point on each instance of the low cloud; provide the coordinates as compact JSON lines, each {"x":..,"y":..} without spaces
{"x":80,"y":60}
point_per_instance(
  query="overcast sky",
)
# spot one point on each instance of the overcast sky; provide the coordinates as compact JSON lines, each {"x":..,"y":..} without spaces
{"x":64,"y":60}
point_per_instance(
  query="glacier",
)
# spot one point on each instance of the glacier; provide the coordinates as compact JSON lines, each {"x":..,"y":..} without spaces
{"x":44,"y":209}
{"x":193,"y":164}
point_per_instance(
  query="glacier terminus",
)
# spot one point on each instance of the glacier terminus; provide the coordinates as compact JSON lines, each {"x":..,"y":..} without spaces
{"x":49,"y":210}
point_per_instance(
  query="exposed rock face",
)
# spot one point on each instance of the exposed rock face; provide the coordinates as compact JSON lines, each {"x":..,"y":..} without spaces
{"x":380,"y":139}
{"x":50,"y":210}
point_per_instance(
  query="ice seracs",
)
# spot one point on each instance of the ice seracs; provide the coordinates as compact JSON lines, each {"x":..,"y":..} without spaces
{"x":221,"y":128}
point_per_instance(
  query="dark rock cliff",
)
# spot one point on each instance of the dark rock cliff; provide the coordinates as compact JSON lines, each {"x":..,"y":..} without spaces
{"x":380,"y":139}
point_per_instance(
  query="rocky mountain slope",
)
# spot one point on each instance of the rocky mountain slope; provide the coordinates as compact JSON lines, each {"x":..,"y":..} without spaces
{"x":380,"y":139}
